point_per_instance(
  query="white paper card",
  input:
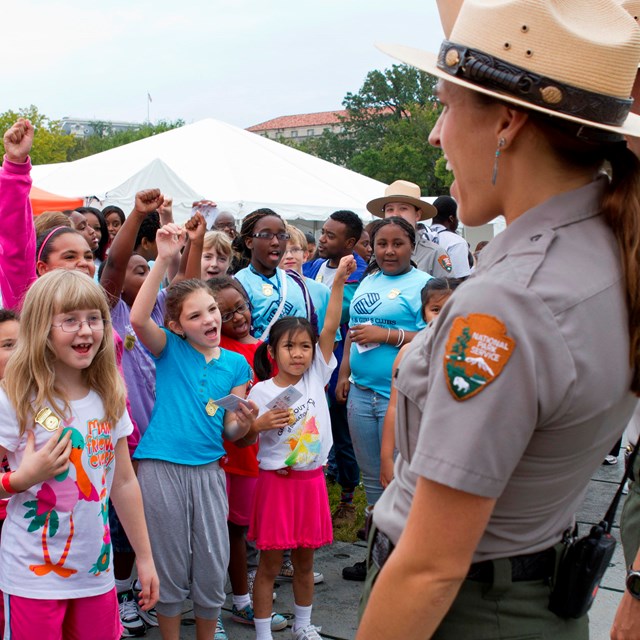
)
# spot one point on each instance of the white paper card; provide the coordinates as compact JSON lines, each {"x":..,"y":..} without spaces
{"x":285,"y":399}
{"x":231,"y":402}
{"x":368,"y":345}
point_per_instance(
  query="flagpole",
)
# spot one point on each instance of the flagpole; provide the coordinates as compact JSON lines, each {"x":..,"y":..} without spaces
{"x":148,"y":103}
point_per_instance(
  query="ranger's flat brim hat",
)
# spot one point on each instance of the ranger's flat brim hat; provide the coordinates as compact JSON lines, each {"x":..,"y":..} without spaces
{"x":571,"y":59}
{"x":402,"y":191}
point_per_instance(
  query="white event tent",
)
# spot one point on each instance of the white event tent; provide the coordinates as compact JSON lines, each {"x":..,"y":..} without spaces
{"x":239,"y":170}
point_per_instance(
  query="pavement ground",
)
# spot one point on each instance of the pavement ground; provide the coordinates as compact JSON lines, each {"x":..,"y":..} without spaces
{"x":336,"y":600}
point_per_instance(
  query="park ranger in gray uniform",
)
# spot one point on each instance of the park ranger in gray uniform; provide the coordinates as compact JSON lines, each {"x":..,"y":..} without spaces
{"x":402,"y":198}
{"x":508,"y":404}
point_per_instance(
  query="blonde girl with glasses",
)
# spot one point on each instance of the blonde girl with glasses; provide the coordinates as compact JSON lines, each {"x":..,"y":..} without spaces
{"x":63,"y":427}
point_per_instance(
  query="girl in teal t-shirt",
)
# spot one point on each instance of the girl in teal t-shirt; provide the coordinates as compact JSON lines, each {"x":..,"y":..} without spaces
{"x":180,"y":476}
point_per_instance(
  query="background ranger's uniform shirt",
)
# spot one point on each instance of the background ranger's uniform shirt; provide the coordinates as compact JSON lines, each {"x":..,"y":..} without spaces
{"x":457,"y":248}
{"x":430,"y":257}
{"x":529,"y":426}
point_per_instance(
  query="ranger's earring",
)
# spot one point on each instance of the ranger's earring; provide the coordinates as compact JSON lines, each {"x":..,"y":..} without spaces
{"x":494,"y":176}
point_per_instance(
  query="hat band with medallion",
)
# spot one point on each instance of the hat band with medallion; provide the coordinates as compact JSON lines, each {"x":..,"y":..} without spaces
{"x":494,"y":73}
{"x":570,"y":59}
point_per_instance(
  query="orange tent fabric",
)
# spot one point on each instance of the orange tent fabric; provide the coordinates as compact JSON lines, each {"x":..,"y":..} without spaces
{"x":45,"y":201}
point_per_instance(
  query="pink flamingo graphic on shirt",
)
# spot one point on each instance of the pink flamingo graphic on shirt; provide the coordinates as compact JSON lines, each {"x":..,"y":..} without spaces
{"x":60,"y":495}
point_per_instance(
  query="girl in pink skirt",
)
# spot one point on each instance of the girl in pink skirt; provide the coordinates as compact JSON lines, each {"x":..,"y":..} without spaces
{"x":291,"y":506}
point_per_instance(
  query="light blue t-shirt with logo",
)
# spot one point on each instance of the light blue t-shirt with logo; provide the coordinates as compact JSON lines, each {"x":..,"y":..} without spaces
{"x":391,"y":302}
{"x":265,"y":294}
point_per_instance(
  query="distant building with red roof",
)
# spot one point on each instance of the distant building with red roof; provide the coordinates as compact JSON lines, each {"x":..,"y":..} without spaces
{"x":302,"y":126}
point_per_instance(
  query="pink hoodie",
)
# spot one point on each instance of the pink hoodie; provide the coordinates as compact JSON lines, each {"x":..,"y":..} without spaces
{"x":17,"y":233}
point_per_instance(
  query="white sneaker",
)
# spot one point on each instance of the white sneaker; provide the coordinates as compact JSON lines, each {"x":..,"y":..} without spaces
{"x":132,"y":623}
{"x":150,"y":617}
{"x":310,"y":632}
{"x":286,"y":573}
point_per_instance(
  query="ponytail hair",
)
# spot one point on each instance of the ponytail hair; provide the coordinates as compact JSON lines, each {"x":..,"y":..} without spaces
{"x":621,"y":210}
{"x":262,"y":363}
{"x":591,"y":148}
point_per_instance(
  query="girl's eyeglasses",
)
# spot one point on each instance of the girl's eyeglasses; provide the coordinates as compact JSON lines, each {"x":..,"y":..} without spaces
{"x":269,"y":235}
{"x":72,"y":325}
{"x":239,"y":309}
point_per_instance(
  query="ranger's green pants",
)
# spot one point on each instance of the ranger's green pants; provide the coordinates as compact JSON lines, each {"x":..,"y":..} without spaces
{"x":630,"y":518}
{"x":503,"y":610}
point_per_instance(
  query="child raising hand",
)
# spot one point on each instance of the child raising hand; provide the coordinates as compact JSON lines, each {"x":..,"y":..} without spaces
{"x":291,"y":506}
{"x":179,"y":471}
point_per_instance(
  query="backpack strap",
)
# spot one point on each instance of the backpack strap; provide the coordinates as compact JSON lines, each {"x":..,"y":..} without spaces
{"x":264,"y":336}
{"x":312,"y":316}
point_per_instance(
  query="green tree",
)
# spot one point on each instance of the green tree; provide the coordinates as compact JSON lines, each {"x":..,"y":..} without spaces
{"x":50,"y":143}
{"x":386,"y":131}
{"x":386,"y":97}
{"x":404,"y":152}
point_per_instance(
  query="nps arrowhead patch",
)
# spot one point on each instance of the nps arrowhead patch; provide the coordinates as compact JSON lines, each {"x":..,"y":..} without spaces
{"x":477,"y":350}
{"x":445,"y":263}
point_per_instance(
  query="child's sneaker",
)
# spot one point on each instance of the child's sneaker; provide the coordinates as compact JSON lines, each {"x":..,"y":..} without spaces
{"x":286,"y":573}
{"x":245,"y":616}
{"x":310,"y":632}
{"x":132,"y":623}
{"x":251,"y":578}
{"x":220,"y":633}
{"x":150,"y":617}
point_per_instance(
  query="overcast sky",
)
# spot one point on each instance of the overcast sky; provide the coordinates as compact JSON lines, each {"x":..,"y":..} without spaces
{"x":239,"y":61}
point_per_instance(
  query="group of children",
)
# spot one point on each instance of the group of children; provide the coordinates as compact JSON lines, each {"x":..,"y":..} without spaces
{"x":226,"y":394}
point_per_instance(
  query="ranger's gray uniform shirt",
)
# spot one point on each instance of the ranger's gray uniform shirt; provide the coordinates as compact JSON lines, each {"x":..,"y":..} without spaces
{"x":522,"y":386}
{"x":431,"y":258}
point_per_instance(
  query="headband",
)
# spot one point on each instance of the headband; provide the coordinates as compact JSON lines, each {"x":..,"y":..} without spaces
{"x":44,"y":242}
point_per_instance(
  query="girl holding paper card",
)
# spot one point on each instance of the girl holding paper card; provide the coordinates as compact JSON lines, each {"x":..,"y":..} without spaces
{"x":291,"y":507}
{"x":179,"y":454}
